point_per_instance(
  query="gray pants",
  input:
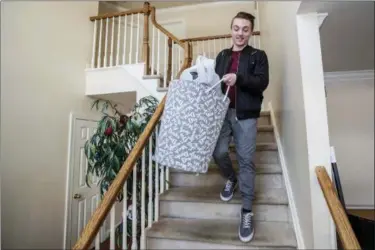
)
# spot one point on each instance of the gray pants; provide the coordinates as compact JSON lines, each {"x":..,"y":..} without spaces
{"x":244,"y":134}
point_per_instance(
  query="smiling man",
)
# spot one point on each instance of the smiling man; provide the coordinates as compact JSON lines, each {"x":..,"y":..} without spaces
{"x":244,"y":70}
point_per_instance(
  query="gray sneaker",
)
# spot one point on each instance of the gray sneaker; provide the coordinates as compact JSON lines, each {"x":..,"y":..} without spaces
{"x":228,"y":190}
{"x":246,"y":229}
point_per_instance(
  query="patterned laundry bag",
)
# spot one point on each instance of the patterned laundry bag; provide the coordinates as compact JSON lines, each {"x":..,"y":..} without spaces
{"x":194,"y":112}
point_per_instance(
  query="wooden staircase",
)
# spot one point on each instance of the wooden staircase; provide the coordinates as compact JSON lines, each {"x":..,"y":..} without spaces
{"x":188,"y":212}
{"x":192,"y":216}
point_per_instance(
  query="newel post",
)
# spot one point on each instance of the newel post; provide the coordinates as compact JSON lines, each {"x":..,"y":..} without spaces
{"x":146,"y":42}
{"x":169,"y":66}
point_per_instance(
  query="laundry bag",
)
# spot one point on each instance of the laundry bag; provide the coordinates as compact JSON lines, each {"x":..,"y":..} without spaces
{"x":194,"y":112}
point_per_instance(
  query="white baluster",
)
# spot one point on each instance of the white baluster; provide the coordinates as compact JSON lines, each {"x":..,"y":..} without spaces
{"x":162,"y":180}
{"x":134,"y":210}
{"x":173,"y":60}
{"x":131,"y":40}
{"x":158,"y":55}
{"x":153,"y":51}
{"x":179,"y":58}
{"x":143,"y":201}
{"x":156,"y":202}
{"x":259,"y":44}
{"x":125,"y":32}
{"x":150,"y":178}
{"x":112,"y":40}
{"x":118,"y":41}
{"x":106,"y":42}
{"x":94,"y":45}
{"x":100,"y":44}
{"x":137,"y":44}
{"x":166,"y":178}
{"x":125,"y":217}
{"x":204,"y":48}
{"x":112,"y":227}
{"x":215,"y":52}
{"x":165,"y":60}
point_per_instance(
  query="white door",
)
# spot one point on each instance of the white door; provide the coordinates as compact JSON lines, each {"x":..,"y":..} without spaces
{"x":83,"y":200}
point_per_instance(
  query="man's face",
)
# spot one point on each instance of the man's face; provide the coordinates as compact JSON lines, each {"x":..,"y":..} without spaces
{"x":241,"y":31}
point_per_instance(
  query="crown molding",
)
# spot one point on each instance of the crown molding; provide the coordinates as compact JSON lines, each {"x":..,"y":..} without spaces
{"x":321,"y":18}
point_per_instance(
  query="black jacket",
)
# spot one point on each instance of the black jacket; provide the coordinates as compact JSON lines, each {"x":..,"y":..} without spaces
{"x":252,"y":79}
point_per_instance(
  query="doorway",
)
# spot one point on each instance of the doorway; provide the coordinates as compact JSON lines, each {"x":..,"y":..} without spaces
{"x":81,"y":200}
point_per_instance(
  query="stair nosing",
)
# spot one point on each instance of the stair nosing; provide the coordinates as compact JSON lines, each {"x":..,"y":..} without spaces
{"x":204,"y":240}
{"x":211,"y":199}
{"x":215,"y":171}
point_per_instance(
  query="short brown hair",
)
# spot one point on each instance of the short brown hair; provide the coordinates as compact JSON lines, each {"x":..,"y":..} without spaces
{"x":246,"y":16}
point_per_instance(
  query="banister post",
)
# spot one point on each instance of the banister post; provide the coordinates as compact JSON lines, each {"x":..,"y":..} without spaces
{"x":169,"y":68}
{"x":146,"y":42}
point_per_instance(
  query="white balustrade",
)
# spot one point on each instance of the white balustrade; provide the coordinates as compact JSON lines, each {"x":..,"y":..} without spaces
{"x":212,"y":47}
{"x":144,"y":204}
{"x":117,"y":41}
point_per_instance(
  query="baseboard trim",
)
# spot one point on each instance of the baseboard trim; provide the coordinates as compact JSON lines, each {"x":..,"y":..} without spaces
{"x":340,"y":76}
{"x":288,"y":186}
{"x":360,"y":207}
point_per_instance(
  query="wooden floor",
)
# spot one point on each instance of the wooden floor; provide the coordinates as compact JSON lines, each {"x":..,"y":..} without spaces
{"x":368,"y":214}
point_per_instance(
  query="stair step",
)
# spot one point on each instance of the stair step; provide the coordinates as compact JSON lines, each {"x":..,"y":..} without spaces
{"x":260,"y":168}
{"x":205,"y":203}
{"x":263,"y":180}
{"x":173,"y":233}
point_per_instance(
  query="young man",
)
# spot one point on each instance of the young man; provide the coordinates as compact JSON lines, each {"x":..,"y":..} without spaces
{"x":244,"y":70}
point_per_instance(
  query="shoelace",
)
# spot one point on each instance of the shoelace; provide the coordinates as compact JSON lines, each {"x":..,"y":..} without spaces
{"x":228,"y":186}
{"x":246,"y":220}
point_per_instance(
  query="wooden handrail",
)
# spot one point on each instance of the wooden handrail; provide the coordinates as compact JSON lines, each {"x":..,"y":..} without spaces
{"x":205,"y":38}
{"x":162,"y":29}
{"x":117,"y":14}
{"x":187,"y":58}
{"x":97,"y":219}
{"x":344,"y":228}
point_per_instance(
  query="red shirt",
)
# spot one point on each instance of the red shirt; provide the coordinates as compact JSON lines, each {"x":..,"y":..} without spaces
{"x":233,"y":69}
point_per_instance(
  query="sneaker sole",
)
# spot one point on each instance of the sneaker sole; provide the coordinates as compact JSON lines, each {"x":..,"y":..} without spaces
{"x":246,"y":239}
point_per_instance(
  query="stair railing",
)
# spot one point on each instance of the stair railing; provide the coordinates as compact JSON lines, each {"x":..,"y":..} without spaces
{"x":343,"y":226}
{"x":124,"y":38}
{"x":158,"y":176}
{"x":171,"y":58}
{"x":210,"y":46}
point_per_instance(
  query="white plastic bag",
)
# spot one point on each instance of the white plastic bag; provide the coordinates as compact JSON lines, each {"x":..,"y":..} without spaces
{"x":202,"y":72}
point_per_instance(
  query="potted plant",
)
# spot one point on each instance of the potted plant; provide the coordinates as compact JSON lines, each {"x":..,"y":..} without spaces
{"x":110,"y":145}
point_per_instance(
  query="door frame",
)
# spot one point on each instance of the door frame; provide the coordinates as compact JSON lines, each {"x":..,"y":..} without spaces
{"x":73,"y":117}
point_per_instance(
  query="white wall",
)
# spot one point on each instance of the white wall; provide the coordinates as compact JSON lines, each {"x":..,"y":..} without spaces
{"x":280,"y":41}
{"x":350,"y":105}
{"x":295,"y":64}
{"x":45,"y":47}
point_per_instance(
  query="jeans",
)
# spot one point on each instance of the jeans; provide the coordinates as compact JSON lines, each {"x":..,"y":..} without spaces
{"x":244,"y":134}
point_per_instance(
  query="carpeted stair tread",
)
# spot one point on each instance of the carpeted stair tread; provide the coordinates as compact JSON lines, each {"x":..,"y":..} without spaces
{"x":267,"y":234}
{"x":210,"y":194}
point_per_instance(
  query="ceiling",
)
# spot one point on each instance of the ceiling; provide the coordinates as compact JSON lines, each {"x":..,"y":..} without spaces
{"x":347,"y":34}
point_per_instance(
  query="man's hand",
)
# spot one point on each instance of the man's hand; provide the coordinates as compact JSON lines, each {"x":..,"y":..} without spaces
{"x":230,"y":79}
